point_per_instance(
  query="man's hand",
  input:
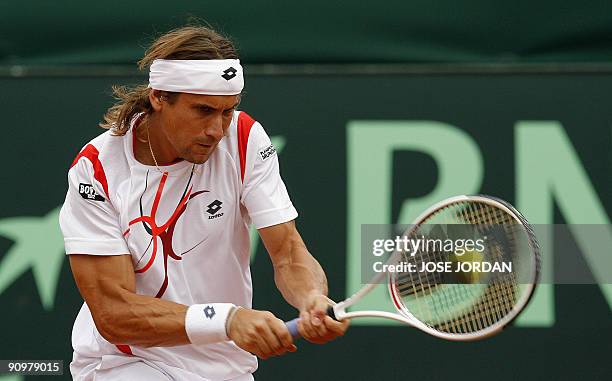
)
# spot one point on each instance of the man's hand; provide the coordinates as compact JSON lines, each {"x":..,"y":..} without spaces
{"x":302,"y":281}
{"x":260,"y":333}
{"x":315,"y":325}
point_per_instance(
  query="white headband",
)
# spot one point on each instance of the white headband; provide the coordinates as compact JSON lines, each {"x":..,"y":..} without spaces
{"x":208,"y":77}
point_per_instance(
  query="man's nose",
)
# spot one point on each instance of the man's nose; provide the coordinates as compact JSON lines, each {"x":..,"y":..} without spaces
{"x":215,"y":128}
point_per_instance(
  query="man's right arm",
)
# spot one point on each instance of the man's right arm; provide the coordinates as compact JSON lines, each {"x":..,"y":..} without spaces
{"x":107,"y":283}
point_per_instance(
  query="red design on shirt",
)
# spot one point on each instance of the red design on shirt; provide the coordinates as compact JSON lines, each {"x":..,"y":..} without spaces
{"x":165,"y":231}
{"x":125,"y":349}
{"x":245,"y":122}
{"x":91,"y":153}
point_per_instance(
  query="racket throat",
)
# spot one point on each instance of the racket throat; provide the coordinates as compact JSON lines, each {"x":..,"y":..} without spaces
{"x":332,"y":313}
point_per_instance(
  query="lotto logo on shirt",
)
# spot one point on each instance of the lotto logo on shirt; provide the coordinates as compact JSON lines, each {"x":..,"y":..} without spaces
{"x":88,"y":192}
{"x":213,"y":208}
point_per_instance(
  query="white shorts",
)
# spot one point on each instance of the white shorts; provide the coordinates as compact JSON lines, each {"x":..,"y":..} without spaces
{"x":120,"y":368}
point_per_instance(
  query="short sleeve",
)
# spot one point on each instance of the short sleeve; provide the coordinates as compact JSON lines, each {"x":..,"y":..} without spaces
{"x":88,"y":220}
{"x":264,"y":193}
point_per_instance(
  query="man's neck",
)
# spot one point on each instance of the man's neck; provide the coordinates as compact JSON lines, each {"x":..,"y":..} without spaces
{"x":151,"y":147}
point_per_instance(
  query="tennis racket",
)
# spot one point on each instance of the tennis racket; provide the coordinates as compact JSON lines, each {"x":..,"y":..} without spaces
{"x":458,"y":306}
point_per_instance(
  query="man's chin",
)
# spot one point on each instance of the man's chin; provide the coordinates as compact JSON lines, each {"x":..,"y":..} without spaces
{"x":197,"y":155}
{"x":197,"y":159}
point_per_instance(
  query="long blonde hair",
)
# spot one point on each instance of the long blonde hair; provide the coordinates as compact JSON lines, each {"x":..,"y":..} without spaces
{"x":186,"y":43}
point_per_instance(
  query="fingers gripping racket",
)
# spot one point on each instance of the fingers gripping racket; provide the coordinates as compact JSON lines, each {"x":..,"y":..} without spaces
{"x":466,"y":309}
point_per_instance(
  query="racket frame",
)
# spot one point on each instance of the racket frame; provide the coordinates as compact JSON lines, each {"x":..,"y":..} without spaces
{"x":405,"y":316}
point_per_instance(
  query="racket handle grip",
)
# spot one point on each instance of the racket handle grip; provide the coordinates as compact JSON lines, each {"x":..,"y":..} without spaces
{"x":292,"y":325}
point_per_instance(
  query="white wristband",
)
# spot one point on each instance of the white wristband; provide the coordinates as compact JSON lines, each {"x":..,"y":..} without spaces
{"x":205,"y":323}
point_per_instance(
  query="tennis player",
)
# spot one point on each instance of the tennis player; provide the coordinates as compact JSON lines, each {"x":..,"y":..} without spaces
{"x":156,"y":220}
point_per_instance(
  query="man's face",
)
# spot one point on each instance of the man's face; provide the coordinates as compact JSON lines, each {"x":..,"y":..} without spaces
{"x":194,"y":124}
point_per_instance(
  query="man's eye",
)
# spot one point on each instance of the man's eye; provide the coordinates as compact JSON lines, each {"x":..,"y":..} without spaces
{"x":228,"y":112}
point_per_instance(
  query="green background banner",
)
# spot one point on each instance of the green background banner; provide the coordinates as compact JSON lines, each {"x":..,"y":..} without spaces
{"x":355,"y":149}
{"x":316,"y":31}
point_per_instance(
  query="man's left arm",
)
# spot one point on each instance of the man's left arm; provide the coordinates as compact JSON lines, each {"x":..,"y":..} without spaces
{"x":302,"y":282}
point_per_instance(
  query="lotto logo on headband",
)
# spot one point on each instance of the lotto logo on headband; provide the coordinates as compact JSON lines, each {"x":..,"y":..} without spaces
{"x":229,"y":73}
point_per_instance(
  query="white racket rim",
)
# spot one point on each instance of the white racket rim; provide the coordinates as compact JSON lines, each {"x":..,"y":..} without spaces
{"x":497,"y":326}
{"x":471,"y":336}
{"x":405,"y":316}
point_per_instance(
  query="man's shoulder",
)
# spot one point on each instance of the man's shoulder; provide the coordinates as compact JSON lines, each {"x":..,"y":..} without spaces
{"x":105,"y":142}
{"x":237,"y":133}
{"x":241,"y":122}
{"x":103,"y":151}
{"x":243,"y":128}
{"x":244,"y":120}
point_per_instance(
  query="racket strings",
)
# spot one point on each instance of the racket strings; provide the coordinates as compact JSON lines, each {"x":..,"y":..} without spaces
{"x":463,"y":308}
{"x":486,"y":312}
{"x":500,"y":296}
{"x":504,"y":287}
{"x":436,"y":302}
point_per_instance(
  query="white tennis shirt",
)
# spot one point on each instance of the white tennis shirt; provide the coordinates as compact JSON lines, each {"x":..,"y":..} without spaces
{"x":186,"y":229}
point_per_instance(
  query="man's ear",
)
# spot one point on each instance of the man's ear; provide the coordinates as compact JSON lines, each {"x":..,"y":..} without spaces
{"x":157,"y":99}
